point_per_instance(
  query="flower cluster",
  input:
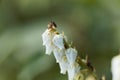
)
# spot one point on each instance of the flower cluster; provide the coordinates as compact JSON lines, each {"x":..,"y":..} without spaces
{"x":65,"y":55}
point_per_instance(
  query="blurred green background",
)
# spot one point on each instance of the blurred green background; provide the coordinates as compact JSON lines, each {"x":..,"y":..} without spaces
{"x":92,"y":25}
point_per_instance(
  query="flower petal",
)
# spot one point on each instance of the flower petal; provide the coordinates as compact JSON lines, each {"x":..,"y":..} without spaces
{"x":73,"y":71}
{"x":63,"y":65}
{"x":58,"y":54}
{"x":71,"y":55}
{"x":58,"y":41}
{"x":49,"y":48}
{"x":47,"y":36}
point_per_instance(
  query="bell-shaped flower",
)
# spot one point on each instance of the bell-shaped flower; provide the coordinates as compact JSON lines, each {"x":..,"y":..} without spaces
{"x":47,"y":37}
{"x":59,"y":54}
{"x":63,"y":65}
{"x":58,"y":41}
{"x":73,"y":71}
{"x":71,"y":55}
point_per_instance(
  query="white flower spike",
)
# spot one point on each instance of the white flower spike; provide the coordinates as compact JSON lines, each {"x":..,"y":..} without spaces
{"x":65,"y":55}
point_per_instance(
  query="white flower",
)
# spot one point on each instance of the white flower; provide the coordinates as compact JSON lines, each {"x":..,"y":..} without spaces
{"x":115,"y":68}
{"x":71,"y":55}
{"x":49,"y":48}
{"x":58,"y":41}
{"x":63,"y":65}
{"x":73,"y":71}
{"x":47,"y":37}
{"x":58,"y":54}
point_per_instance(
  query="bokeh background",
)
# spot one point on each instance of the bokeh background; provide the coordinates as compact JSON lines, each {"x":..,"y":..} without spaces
{"x":92,"y":25}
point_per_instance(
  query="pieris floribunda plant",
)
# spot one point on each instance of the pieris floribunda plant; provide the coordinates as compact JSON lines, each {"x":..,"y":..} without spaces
{"x":115,"y":67}
{"x":66,"y":56}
